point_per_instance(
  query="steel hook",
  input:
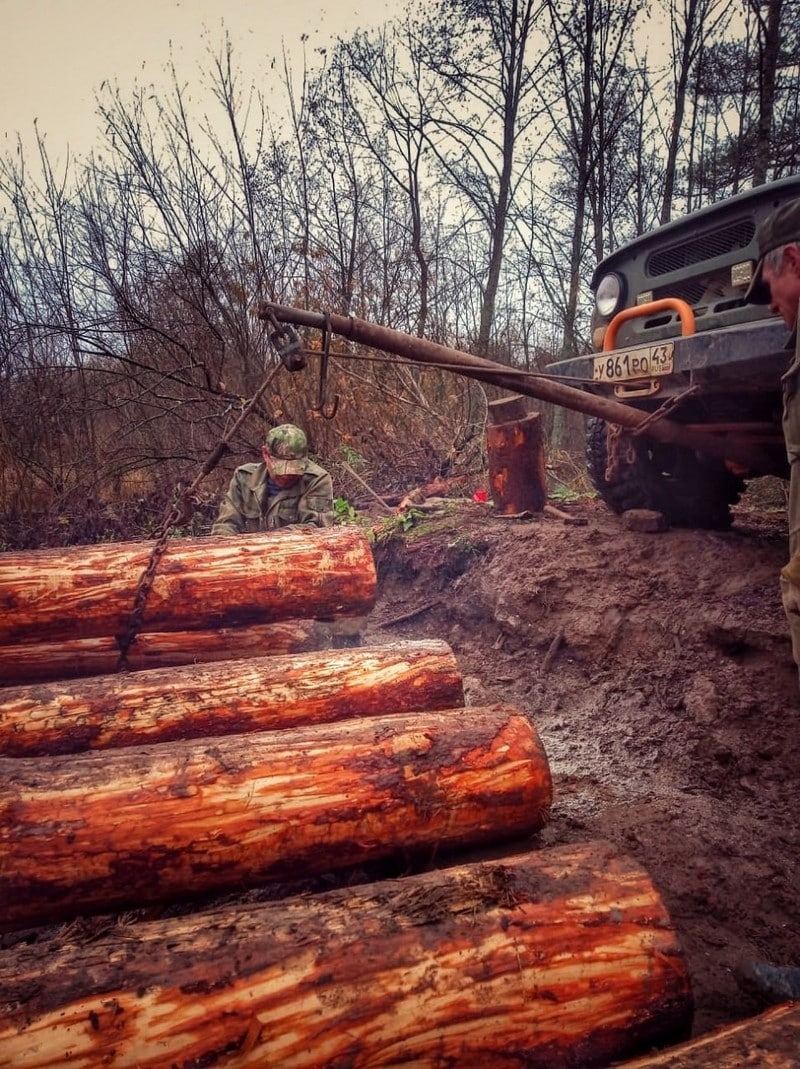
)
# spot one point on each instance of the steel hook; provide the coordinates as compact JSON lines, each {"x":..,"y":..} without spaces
{"x":321,"y":407}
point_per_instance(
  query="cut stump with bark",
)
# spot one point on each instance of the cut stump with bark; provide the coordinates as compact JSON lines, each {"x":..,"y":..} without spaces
{"x":51,"y":595}
{"x":555,"y":959}
{"x":39,"y":662}
{"x":227,"y":698}
{"x":99,"y":831}
{"x":517,"y":472}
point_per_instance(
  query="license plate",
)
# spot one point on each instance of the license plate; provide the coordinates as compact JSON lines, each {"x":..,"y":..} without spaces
{"x":634,"y":364}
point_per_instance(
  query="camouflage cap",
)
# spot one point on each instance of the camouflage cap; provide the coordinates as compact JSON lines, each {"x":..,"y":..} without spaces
{"x":287,"y":446}
{"x":781,"y":227}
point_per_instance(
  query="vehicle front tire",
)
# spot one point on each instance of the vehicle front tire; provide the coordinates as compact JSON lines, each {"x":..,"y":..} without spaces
{"x":690,"y":490}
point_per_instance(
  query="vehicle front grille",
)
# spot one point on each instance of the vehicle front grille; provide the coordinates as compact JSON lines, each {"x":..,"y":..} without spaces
{"x":703,"y":290}
{"x":701,"y":248}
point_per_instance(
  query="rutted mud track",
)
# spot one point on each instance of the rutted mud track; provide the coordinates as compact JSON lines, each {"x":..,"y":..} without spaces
{"x":657,"y":669}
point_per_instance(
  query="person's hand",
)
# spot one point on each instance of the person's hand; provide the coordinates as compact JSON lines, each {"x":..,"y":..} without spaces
{"x":790,"y":593}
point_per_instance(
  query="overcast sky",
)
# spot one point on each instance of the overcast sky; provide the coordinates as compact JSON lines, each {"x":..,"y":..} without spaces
{"x":57,"y":52}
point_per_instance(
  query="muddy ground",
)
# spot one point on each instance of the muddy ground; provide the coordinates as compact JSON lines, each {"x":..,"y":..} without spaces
{"x":657,"y":669}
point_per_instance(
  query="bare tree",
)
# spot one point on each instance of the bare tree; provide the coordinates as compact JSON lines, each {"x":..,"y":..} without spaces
{"x":591,"y":41}
{"x":485,"y":133}
{"x":382,"y":90}
{"x":769,"y":44}
{"x":692,"y":24}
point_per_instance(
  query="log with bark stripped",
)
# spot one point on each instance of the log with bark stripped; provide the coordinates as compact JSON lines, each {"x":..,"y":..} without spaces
{"x":76,"y":658}
{"x":560,"y":958}
{"x":227,"y":698}
{"x":201,"y":583}
{"x":97,"y":831}
{"x":769,"y":1041}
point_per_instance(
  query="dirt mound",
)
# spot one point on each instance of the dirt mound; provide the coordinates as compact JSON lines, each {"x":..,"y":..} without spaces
{"x":657,"y":669}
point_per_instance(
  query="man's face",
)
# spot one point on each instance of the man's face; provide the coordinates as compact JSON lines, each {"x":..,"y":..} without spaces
{"x":281,"y":480}
{"x":784,"y":285}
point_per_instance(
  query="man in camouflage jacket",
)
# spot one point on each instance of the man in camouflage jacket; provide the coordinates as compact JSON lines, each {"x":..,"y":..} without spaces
{"x":286,"y":488}
{"x":776,"y":282}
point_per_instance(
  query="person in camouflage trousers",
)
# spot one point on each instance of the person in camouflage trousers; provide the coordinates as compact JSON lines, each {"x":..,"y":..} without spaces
{"x":284,"y":489}
{"x":776,"y":282}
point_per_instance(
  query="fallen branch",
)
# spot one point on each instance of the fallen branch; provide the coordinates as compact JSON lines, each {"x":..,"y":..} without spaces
{"x":576,"y":521}
{"x":411,"y":615}
{"x":384,"y":504}
{"x":553,"y":649}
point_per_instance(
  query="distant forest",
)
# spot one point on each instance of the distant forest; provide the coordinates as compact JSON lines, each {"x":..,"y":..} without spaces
{"x":456,"y":174}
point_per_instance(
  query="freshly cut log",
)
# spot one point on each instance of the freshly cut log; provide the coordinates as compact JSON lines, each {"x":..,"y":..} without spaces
{"x":517,"y":475}
{"x":769,"y":1041}
{"x":71,"y":659}
{"x":89,"y":832}
{"x":227,"y":698}
{"x":48,"y":595}
{"x":560,"y":958}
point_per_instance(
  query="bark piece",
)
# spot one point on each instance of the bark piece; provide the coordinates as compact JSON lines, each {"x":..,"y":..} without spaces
{"x":769,"y":1041}
{"x":517,"y":474}
{"x":38,"y":662}
{"x":91,"y":832}
{"x":227,"y":698}
{"x":201,"y":583}
{"x":560,"y":958}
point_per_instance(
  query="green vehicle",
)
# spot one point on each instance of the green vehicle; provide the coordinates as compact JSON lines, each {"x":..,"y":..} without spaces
{"x":671,"y":332}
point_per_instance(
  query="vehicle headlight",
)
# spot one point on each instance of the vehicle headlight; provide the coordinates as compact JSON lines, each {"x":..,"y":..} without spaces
{"x":610,"y":294}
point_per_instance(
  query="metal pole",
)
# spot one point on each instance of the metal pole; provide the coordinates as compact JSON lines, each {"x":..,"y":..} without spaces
{"x":424,"y":351}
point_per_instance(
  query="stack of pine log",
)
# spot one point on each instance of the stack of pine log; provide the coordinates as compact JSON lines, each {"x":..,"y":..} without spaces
{"x":62,"y":611}
{"x":155,"y":790}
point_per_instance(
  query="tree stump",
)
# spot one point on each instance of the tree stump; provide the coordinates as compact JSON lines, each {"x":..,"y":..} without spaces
{"x":50,"y":595}
{"x":508,"y":409}
{"x":227,"y":698}
{"x":555,"y":959}
{"x":97,"y":831}
{"x":517,"y":475}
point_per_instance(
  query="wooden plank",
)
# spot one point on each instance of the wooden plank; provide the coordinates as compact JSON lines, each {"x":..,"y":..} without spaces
{"x":96,"y":831}
{"x":227,"y":698}
{"x":557,"y":959}
{"x":201,"y":584}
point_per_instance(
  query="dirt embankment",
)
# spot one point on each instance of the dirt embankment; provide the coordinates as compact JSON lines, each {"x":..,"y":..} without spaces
{"x":658,"y":671}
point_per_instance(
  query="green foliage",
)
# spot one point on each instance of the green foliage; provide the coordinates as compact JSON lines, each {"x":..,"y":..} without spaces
{"x":409,"y":518}
{"x":399,"y":524}
{"x":562,"y":492}
{"x":344,"y":511}
{"x":352,"y":457}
